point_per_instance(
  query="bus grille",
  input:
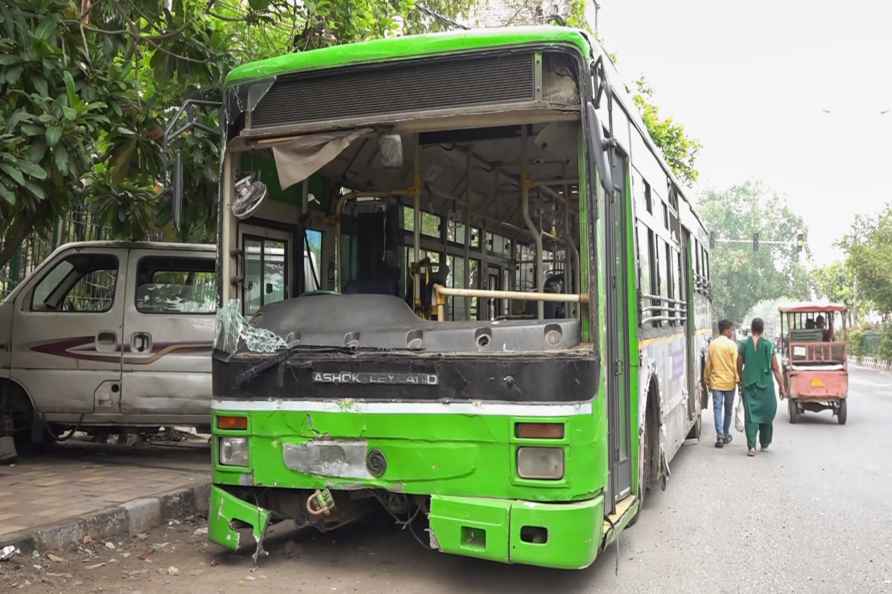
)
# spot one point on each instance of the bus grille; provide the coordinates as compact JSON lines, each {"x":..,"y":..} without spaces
{"x":405,"y":87}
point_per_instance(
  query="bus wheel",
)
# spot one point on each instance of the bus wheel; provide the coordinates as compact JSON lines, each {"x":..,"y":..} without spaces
{"x":793,"y":410}
{"x":841,"y":412}
{"x":695,"y":431}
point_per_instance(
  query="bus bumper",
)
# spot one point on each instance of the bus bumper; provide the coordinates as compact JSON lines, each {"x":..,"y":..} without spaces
{"x":228,"y":514}
{"x":559,"y":535}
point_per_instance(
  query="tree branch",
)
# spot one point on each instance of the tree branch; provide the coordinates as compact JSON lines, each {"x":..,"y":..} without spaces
{"x":21,"y":228}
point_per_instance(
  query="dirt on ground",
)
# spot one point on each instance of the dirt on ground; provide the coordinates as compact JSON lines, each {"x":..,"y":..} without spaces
{"x":117,"y":565}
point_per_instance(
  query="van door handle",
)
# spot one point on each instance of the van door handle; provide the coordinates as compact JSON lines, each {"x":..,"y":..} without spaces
{"x":141,"y":342}
{"x":106,"y":341}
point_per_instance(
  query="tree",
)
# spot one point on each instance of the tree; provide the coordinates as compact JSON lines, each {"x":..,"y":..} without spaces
{"x":869,"y":258}
{"x":86,"y":89}
{"x":679,"y":150}
{"x":741,"y":277}
{"x":836,"y":282}
{"x":54,"y":108}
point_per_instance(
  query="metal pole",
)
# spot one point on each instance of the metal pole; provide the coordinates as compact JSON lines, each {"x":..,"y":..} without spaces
{"x":467,"y":242}
{"x":525,"y":206}
{"x":416,"y":239}
{"x":517,"y":295}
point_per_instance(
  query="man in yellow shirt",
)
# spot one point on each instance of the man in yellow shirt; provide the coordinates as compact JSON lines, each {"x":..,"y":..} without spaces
{"x":721,"y":377}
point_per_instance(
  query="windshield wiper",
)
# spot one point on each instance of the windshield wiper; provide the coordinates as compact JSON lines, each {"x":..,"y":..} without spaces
{"x":281,"y":356}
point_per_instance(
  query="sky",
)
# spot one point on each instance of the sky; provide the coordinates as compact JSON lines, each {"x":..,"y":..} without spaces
{"x":752,"y":80}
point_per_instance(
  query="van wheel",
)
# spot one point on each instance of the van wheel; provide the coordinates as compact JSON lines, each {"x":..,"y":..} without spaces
{"x":841,"y":412}
{"x":793,"y":411}
{"x":18,"y":409}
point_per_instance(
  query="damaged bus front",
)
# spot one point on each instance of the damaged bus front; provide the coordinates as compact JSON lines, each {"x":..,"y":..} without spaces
{"x":407,"y":277}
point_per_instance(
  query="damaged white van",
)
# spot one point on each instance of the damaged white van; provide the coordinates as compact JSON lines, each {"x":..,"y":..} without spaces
{"x":106,"y":335}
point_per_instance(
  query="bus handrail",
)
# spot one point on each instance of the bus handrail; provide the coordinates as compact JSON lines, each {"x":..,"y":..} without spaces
{"x":443,"y":292}
{"x":648,"y":320}
{"x":661,"y":298}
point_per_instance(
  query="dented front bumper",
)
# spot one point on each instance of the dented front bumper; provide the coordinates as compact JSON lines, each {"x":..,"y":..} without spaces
{"x":229,"y":516}
{"x":558,"y":535}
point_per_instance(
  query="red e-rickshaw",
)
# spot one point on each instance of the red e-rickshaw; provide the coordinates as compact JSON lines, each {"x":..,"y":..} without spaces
{"x":815,"y":364}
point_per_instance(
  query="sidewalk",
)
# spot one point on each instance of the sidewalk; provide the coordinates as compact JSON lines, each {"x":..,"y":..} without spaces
{"x":79,"y":489}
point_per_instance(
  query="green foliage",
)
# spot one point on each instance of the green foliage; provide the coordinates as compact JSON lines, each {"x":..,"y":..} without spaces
{"x":837,"y":283}
{"x":679,"y":150}
{"x":53,"y":109}
{"x":869,"y":258}
{"x":742,"y":278}
{"x":87,"y":88}
{"x":856,"y":343}
{"x":885,"y":353}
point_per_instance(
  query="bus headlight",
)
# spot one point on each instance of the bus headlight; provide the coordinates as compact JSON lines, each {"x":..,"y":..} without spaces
{"x":234,"y":451}
{"x":540,"y":463}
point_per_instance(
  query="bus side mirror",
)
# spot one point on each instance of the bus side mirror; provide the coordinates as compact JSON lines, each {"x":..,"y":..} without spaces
{"x":598,"y":147}
{"x":390,"y":147}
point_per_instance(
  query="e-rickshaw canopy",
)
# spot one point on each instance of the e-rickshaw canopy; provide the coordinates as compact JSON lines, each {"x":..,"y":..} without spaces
{"x":813,"y":308}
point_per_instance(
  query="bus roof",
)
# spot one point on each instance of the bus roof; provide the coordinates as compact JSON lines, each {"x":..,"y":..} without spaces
{"x":411,"y":46}
{"x":813,"y":308}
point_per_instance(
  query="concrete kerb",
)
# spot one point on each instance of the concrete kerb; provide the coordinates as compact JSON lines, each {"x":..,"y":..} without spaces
{"x":130,"y":518}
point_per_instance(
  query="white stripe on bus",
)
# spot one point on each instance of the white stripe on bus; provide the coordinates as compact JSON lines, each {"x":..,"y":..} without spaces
{"x":407,"y":408}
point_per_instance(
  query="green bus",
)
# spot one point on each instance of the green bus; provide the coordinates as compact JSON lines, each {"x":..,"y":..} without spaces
{"x":458,"y":285}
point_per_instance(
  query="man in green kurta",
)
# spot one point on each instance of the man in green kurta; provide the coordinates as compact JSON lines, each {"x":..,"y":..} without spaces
{"x":756,"y":364}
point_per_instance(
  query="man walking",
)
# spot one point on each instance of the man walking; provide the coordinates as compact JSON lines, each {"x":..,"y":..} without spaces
{"x":755,"y":366}
{"x":722,"y":376}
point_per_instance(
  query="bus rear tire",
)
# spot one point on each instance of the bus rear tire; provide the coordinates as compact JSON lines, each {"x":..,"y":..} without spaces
{"x":793,"y":411}
{"x":842,"y":412}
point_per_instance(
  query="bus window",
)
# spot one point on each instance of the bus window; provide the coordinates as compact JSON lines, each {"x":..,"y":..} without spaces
{"x":265,"y":272}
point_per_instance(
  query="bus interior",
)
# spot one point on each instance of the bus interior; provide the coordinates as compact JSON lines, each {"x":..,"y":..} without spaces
{"x":456,"y":234}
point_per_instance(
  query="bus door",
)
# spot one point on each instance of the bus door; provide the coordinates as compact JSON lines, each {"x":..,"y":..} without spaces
{"x":266,"y":266}
{"x":687,"y":294}
{"x":617,"y":278}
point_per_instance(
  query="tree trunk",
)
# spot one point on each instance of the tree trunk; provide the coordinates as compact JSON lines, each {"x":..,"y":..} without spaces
{"x":21,"y":228}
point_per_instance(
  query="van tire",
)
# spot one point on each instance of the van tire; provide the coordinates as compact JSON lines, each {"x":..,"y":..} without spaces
{"x":19,"y":408}
{"x":792,"y":410}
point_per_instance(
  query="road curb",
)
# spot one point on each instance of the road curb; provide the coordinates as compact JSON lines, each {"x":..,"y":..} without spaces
{"x":129,"y":518}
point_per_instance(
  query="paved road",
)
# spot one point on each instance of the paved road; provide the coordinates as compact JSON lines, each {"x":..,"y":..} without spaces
{"x":812,"y":515}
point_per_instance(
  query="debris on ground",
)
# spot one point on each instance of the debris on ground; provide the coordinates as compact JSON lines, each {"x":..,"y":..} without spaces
{"x":8,"y":552}
{"x":200,"y":531}
{"x":55,"y":558}
{"x":173,"y":570}
{"x":110,"y":546}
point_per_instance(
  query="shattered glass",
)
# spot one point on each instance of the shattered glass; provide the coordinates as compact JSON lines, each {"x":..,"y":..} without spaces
{"x":245,"y":97}
{"x":235,"y":332}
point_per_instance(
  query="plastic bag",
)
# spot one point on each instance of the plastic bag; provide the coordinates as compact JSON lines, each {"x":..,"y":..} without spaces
{"x":739,"y":415}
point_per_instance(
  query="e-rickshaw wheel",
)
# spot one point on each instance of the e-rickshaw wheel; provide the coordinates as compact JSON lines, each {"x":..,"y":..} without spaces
{"x":841,"y":412}
{"x":793,"y":411}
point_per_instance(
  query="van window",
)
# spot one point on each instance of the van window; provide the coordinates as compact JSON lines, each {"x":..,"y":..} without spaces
{"x":176,"y":285}
{"x":82,"y":283}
